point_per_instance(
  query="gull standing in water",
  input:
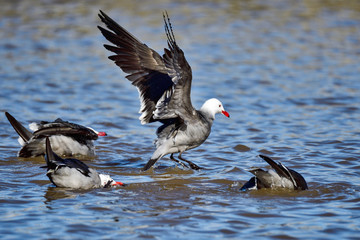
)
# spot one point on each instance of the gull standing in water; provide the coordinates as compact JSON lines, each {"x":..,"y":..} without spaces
{"x":164,"y":85}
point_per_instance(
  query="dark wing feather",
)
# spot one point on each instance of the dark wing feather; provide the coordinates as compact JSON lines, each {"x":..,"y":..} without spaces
{"x":164,"y":83}
{"x":60,"y":127}
{"x":54,"y":162}
{"x":145,"y":67}
{"x":66,"y":131}
{"x":175,"y":101}
{"x":78,"y":165}
{"x":279,"y":169}
{"x":297,"y":179}
{"x":20,"y":129}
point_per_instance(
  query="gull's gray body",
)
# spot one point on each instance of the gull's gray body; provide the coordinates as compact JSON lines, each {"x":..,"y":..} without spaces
{"x":164,"y":85}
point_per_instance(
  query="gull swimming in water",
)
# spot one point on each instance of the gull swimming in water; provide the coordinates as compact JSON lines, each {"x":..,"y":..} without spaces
{"x":279,"y":176}
{"x":73,"y":173}
{"x":68,"y":139}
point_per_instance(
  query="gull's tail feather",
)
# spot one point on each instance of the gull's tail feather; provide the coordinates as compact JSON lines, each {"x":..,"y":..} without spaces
{"x":149,"y":164}
{"x":20,"y":129}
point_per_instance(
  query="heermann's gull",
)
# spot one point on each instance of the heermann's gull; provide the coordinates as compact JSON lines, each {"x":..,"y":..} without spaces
{"x":68,"y":139}
{"x":73,"y":173}
{"x":282,"y":177}
{"x":164,"y":85}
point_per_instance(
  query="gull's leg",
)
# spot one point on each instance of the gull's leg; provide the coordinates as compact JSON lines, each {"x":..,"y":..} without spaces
{"x":177,"y":161}
{"x":191,"y":164}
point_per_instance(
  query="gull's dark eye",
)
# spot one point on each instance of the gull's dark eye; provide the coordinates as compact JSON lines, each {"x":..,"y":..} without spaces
{"x":219,"y":105}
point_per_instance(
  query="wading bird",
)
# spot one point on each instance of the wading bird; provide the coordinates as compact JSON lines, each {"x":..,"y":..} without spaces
{"x":164,"y":85}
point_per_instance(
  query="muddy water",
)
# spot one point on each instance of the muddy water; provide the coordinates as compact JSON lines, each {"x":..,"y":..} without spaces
{"x":287,"y":72}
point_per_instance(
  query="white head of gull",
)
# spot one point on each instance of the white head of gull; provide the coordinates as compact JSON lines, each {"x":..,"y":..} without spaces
{"x":213,"y":106}
{"x":164,"y":85}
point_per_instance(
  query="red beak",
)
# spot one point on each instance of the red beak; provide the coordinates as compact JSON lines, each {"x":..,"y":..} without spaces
{"x":118,"y":183}
{"x":102,"y":134}
{"x":225,"y":113}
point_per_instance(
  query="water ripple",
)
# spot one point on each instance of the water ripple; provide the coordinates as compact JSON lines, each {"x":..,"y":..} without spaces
{"x":286,"y":72}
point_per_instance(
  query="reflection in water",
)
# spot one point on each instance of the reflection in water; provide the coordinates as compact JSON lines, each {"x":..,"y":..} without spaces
{"x":54,"y":193}
{"x":288,"y":72}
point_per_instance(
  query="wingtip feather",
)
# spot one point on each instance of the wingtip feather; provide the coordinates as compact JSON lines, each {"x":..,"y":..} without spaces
{"x":49,"y":154}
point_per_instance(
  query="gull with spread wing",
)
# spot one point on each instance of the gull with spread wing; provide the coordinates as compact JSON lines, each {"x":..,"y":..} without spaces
{"x":164,"y":85}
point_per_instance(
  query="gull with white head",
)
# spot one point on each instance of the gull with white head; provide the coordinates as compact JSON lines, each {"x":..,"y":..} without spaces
{"x":164,"y":85}
{"x":68,"y":139}
{"x":73,"y":173}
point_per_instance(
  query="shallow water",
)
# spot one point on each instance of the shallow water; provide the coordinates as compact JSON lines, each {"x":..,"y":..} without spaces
{"x":287,"y":72}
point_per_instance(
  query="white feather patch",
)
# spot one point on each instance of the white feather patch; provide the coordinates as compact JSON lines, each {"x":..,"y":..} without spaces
{"x":34,"y":126}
